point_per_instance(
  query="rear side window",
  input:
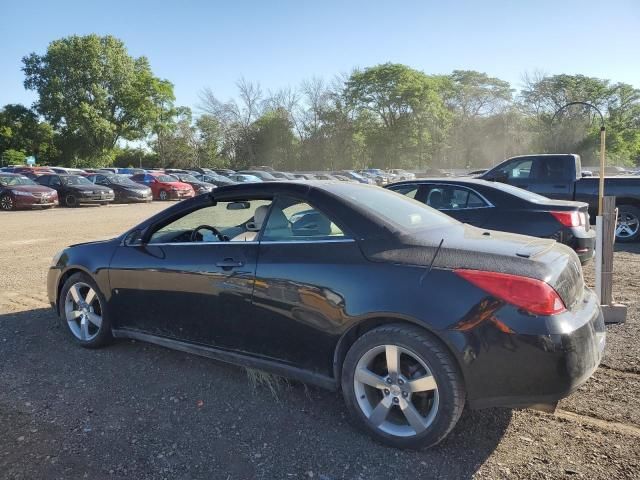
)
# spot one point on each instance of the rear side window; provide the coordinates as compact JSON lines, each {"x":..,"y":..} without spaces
{"x":293,"y":220}
{"x":451,"y":197}
{"x":406,"y":190}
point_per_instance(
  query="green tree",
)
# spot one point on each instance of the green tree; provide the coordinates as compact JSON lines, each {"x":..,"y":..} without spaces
{"x":13,"y":157}
{"x":22,"y":130}
{"x":273,"y":142}
{"x":94,"y":94}
{"x":408,"y":112}
{"x":210,"y":141}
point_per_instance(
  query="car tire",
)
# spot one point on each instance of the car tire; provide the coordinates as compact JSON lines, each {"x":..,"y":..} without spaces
{"x":384,"y":401}
{"x":163,"y":195}
{"x":7,"y":203}
{"x":71,"y":201}
{"x":84,"y":314}
{"x":628,"y":226}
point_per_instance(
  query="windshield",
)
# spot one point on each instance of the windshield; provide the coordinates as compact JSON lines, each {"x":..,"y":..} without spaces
{"x":7,"y":181}
{"x":122,"y":180}
{"x":166,"y":178}
{"x":188,"y":178}
{"x":75,"y":180}
{"x":396,"y":209}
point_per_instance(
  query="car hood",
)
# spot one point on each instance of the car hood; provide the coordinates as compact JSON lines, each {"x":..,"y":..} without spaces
{"x":86,"y":188}
{"x":31,"y":188}
{"x":130,"y":188}
{"x":464,"y":246}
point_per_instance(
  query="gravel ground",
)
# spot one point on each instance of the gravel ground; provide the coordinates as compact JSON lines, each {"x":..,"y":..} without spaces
{"x":139,"y":411}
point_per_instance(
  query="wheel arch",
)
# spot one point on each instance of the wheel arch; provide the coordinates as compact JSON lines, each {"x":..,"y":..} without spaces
{"x":64,"y":277}
{"x":348,"y":338}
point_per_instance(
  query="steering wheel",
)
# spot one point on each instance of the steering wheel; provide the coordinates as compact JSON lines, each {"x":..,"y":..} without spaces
{"x":214,"y":230}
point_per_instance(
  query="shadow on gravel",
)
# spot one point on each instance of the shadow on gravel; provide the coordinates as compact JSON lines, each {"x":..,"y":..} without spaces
{"x":627,"y":247}
{"x":134,"y":410}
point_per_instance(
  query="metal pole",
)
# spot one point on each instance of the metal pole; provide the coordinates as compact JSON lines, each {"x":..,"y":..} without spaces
{"x":601,"y":188}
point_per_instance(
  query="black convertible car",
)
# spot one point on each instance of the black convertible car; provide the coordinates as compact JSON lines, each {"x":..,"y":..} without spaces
{"x":497,"y":206}
{"x":351,"y":287}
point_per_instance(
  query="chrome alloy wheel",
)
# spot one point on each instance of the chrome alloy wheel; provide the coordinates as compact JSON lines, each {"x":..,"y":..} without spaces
{"x":6,"y":202}
{"x":83,"y":311}
{"x":628,"y":225}
{"x":396,"y":391}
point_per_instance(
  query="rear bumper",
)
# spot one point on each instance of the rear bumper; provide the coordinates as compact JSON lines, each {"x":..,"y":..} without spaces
{"x":583,"y":243}
{"x":535,"y":369}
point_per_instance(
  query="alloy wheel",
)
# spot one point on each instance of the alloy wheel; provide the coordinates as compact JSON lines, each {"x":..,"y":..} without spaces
{"x":163,"y":195}
{"x":396,"y":390}
{"x":83,"y":311}
{"x":6,"y":202}
{"x":628,"y":225}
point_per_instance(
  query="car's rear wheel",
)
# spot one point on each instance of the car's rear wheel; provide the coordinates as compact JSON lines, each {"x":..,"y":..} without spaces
{"x":71,"y":201}
{"x":7,"y":203}
{"x":163,"y":195}
{"x":83,"y":309}
{"x":628,"y":226}
{"x":402,"y":386}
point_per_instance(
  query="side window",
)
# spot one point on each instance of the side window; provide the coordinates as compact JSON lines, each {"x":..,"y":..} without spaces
{"x":44,"y":180}
{"x":450,"y":197}
{"x":101,"y":180}
{"x":518,"y":169}
{"x":407,"y":190}
{"x":55,"y":181}
{"x":234,"y":221}
{"x":293,"y":220}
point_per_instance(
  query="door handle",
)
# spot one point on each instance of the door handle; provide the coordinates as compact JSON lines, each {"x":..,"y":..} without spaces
{"x":229,"y":263}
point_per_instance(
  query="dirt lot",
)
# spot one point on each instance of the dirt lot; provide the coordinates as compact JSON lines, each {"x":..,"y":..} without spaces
{"x":139,"y":411}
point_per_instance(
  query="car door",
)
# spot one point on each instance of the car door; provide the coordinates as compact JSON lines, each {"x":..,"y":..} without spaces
{"x":306,"y":266}
{"x":196,"y":291}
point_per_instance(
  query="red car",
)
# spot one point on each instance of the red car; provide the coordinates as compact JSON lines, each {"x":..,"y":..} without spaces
{"x":164,"y":187}
{"x":17,"y":191}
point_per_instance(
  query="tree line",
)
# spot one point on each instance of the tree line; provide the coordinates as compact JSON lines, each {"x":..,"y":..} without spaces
{"x":98,"y":106}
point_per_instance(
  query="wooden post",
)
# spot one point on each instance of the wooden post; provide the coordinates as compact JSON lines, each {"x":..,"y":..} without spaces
{"x":613,"y":313}
{"x":608,"y":237}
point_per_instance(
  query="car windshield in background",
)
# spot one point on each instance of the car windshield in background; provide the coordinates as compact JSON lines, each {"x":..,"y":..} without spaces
{"x":9,"y":181}
{"x":188,"y":178}
{"x":166,"y":178}
{"x":75,"y":180}
{"x":397,"y":209}
{"x":122,"y":180}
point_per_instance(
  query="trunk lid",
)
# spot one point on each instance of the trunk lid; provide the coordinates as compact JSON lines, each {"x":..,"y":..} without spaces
{"x":474,"y":248}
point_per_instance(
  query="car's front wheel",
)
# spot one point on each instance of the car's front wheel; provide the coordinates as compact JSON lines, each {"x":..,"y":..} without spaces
{"x":71,"y":201}
{"x":83,"y":310}
{"x":403,"y":386}
{"x":163,"y":195}
{"x":6,"y":202}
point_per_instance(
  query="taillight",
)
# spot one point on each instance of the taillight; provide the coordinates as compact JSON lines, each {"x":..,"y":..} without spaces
{"x":530,"y":294}
{"x":568,"y":219}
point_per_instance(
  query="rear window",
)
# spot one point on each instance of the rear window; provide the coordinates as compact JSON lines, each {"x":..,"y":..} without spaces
{"x":520,"y":193}
{"x":396,"y":209}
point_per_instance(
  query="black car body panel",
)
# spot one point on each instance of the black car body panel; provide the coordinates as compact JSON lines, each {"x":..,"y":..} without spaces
{"x":294,"y":308}
{"x":126,"y":191}
{"x":501,"y":207}
{"x":84,"y":194}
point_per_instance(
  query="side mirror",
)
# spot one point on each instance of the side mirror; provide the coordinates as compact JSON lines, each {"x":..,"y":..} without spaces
{"x":133,"y":238}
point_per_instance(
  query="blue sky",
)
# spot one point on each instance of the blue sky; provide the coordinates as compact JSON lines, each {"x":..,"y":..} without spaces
{"x":197,"y":44}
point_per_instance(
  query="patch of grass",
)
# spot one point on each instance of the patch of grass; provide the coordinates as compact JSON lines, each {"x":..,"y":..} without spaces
{"x":274,"y":383}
